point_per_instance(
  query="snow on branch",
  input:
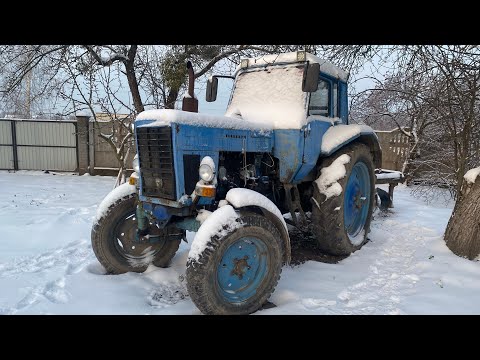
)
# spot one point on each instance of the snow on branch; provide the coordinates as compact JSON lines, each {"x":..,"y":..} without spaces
{"x":471,"y":175}
{"x":106,"y":60}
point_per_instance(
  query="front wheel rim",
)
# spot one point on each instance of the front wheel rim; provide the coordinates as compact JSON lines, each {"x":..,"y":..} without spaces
{"x":242,"y":269}
{"x":357,"y":202}
{"x":136,"y":254}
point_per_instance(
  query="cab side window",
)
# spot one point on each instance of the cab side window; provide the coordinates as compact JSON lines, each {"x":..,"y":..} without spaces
{"x":320,"y":99}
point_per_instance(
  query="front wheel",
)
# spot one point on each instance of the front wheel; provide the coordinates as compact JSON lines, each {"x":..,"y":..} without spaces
{"x":343,"y":200}
{"x":115,"y":246}
{"x":238,"y":271}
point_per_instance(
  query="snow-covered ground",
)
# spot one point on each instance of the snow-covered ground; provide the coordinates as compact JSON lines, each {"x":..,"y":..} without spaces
{"x":47,"y":265}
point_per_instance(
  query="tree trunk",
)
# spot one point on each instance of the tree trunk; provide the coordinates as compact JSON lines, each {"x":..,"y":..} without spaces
{"x":132,"y":79}
{"x":133,"y":85}
{"x":463,"y":230}
{"x":172,"y":98}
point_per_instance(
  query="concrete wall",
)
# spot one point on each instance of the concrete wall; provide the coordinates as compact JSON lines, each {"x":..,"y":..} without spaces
{"x":95,"y":155}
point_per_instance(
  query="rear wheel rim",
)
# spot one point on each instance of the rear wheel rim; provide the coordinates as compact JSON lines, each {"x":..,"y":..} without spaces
{"x":242,"y":269}
{"x":357,"y":202}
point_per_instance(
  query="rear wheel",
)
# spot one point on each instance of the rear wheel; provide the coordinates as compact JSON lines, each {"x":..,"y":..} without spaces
{"x":341,"y":222}
{"x":115,"y":246}
{"x":238,"y":272}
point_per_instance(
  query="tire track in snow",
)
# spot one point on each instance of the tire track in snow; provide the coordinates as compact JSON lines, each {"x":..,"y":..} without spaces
{"x":168,"y":285}
{"x":73,"y":258}
{"x":391,"y":275}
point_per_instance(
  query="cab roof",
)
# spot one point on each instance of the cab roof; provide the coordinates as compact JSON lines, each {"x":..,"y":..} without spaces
{"x":326,"y":67}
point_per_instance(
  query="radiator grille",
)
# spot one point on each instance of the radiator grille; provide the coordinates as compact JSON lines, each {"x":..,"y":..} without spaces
{"x":155,"y":153}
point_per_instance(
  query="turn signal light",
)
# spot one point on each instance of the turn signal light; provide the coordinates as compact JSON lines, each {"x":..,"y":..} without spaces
{"x":205,"y":190}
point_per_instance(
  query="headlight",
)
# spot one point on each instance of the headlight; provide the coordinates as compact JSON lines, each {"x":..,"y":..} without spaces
{"x":207,"y":169}
{"x":136,"y":164}
{"x":206,"y":173}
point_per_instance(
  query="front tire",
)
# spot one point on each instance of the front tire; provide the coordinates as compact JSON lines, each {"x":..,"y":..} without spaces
{"x":113,"y":241}
{"x":237,"y":273}
{"x":341,"y":223}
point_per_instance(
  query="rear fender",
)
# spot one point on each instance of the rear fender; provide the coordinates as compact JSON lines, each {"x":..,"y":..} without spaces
{"x":322,"y":140}
{"x":339,"y":136}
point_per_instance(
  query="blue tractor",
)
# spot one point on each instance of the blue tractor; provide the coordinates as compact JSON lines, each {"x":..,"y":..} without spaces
{"x":284,"y":146}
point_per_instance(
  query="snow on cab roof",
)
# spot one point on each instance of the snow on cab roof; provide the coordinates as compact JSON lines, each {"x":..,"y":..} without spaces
{"x":326,"y":66}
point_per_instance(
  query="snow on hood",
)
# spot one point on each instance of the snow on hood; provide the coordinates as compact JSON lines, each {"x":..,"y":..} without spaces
{"x":165,"y":117}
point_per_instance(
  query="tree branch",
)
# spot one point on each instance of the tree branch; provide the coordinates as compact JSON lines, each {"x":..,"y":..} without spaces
{"x":219,"y":57}
{"x":105,"y":62}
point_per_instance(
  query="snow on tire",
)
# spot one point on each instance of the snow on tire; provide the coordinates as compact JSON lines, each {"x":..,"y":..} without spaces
{"x":343,"y":200}
{"x":239,"y":268}
{"x":113,"y":240}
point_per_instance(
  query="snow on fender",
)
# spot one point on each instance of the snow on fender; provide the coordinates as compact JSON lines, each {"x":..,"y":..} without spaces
{"x":224,"y":219}
{"x":114,"y":195}
{"x":220,"y":222}
{"x":240,"y":197}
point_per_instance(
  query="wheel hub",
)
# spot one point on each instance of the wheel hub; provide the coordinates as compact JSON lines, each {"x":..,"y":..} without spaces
{"x":240,"y":266}
{"x":359,"y":200}
{"x":130,"y":243}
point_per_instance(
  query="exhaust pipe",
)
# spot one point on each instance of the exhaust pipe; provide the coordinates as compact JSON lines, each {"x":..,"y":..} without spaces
{"x":189,"y":102}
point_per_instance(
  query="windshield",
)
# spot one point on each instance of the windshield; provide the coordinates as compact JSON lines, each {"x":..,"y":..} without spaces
{"x":273,"y":95}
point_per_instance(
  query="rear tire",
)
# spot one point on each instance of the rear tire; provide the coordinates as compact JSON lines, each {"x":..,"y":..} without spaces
{"x":238,"y":272}
{"x":341,"y":223}
{"x":113,"y":241}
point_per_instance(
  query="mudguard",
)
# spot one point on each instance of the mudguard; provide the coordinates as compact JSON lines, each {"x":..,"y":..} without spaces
{"x":224,"y":219}
{"x":338,"y":136}
{"x":244,"y":198}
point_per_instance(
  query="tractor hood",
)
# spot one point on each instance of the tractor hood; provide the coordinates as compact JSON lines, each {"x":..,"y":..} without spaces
{"x":166,"y":117}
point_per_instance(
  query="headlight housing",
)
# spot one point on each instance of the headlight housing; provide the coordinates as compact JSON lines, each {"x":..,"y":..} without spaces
{"x":207,"y":169}
{"x":136,"y":164}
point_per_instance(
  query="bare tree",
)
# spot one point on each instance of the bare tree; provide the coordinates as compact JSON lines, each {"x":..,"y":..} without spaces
{"x":450,"y":143}
{"x":92,"y":78}
{"x":434,"y":91}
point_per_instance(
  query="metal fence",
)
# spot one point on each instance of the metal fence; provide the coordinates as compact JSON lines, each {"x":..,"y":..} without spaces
{"x":58,"y":145}
{"x":38,"y":145}
{"x":6,"y":145}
